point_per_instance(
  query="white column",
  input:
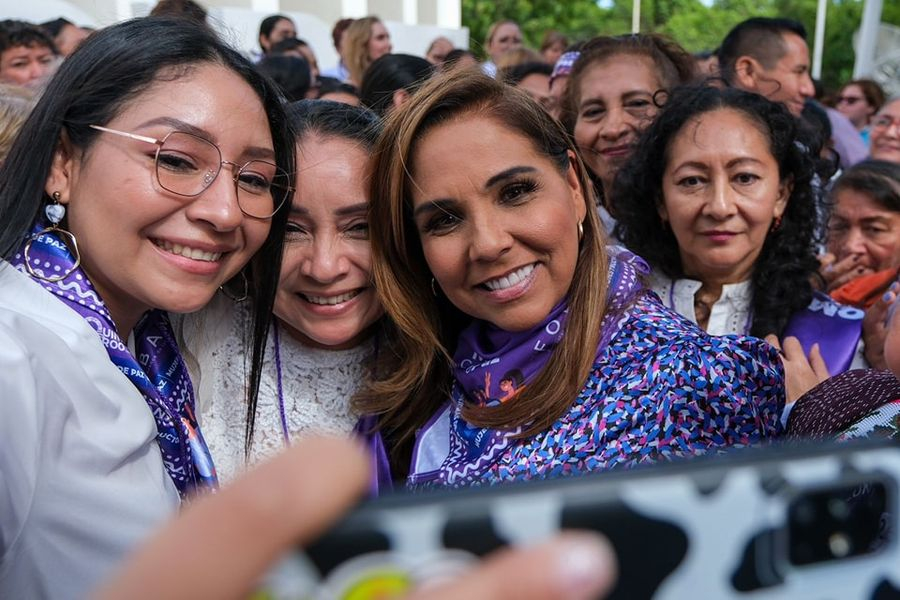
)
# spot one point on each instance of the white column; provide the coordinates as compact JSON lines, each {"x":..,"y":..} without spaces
{"x":449,"y":14}
{"x":265,"y":6}
{"x":868,"y":35}
{"x":410,"y":12}
{"x":354,"y":9}
{"x":103,"y":12}
{"x":636,"y":16}
{"x":819,"y":43}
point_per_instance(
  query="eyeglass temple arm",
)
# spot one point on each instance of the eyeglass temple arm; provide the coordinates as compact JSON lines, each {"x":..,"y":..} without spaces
{"x":134,"y":136}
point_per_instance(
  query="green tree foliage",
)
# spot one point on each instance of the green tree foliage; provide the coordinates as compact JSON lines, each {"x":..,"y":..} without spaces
{"x":692,"y":23}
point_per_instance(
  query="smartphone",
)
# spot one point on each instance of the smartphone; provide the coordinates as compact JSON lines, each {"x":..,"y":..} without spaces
{"x":811,"y":521}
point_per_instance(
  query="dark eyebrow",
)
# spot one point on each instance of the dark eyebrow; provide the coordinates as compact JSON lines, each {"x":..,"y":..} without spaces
{"x":632,"y":93}
{"x":442,"y":204}
{"x":179,"y":125}
{"x":742,"y":160}
{"x":692,"y":164}
{"x":250,"y":152}
{"x":507,"y":174}
{"x":353,"y":209}
{"x":730,"y":164}
{"x":446,"y":204}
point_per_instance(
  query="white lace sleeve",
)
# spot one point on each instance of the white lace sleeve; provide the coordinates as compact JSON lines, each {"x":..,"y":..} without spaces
{"x":317,"y":386}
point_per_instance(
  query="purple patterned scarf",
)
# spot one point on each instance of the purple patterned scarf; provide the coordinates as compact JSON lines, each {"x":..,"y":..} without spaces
{"x":492,"y":365}
{"x":159,"y":374}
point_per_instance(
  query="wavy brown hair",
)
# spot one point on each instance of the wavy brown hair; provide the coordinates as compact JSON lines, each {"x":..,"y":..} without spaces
{"x":414,"y":377}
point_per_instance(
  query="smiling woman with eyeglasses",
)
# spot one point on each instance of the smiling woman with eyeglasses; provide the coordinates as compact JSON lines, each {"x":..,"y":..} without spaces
{"x":147,"y":177}
{"x":885,"y":132}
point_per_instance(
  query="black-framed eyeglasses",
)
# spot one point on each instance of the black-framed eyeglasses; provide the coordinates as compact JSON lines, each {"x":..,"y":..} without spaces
{"x":186,"y":164}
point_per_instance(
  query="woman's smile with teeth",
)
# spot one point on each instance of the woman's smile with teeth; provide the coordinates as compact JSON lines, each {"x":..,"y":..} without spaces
{"x":331,"y":300}
{"x":188,"y":252}
{"x":509,"y":280}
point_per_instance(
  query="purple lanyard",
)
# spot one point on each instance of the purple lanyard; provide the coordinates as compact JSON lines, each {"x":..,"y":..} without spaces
{"x":158,"y":373}
{"x":278,"y":385}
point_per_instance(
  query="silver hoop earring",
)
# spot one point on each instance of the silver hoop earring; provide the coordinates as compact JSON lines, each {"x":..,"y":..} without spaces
{"x":55,"y":213}
{"x":232,"y":297}
{"x":433,"y":288}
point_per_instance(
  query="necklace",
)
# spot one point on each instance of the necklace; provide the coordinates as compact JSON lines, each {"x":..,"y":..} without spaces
{"x":278,"y":384}
{"x":705,"y":308}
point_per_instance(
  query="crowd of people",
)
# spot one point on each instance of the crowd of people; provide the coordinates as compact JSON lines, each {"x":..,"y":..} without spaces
{"x":588,"y":256}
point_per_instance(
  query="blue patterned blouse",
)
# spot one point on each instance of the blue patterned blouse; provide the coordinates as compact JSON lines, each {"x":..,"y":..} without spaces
{"x":660,"y":389}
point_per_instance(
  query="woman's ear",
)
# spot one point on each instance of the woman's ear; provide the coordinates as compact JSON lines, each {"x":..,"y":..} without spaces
{"x":661,"y":209}
{"x":785,"y":189}
{"x":60,"y":177}
{"x":573,"y":178}
{"x":399,"y":98}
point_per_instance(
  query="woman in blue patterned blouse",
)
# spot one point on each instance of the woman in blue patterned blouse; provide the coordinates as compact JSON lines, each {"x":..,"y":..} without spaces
{"x":490,"y":259}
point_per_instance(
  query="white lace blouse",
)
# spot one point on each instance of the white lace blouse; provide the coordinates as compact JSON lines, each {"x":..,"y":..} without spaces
{"x":731,"y":313}
{"x":316,"y":387}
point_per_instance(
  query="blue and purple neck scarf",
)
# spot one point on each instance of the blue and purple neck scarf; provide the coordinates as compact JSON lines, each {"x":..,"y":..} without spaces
{"x":158,"y":373}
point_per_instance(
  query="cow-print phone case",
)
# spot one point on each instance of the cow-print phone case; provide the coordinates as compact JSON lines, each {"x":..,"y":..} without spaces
{"x":816,"y":522}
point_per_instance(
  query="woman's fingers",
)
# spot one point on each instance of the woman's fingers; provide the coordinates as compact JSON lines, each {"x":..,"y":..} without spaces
{"x":874,"y":327}
{"x":228,"y":539}
{"x":573,"y":566}
{"x":801,"y":372}
{"x":793,"y":349}
{"x":838,"y":272}
{"x":818,"y":363}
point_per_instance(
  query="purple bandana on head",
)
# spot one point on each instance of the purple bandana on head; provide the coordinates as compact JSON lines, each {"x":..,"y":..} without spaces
{"x":563,"y":66}
{"x":159,"y":373}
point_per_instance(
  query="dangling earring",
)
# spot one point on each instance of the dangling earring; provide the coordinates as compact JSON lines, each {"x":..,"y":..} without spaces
{"x":776,"y":224}
{"x":580,"y":230}
{"x":55,"y":213}
{"x":231,"y":296}
{"x":433,"y":288}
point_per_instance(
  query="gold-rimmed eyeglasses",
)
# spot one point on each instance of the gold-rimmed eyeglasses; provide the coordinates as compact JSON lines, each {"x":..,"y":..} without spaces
{"x":186,"y":164}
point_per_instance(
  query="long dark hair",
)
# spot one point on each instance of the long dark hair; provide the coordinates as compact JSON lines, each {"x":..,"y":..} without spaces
{"x":390,"y":73}
{"x":782,"y":273}
{"x":110,"y":69}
